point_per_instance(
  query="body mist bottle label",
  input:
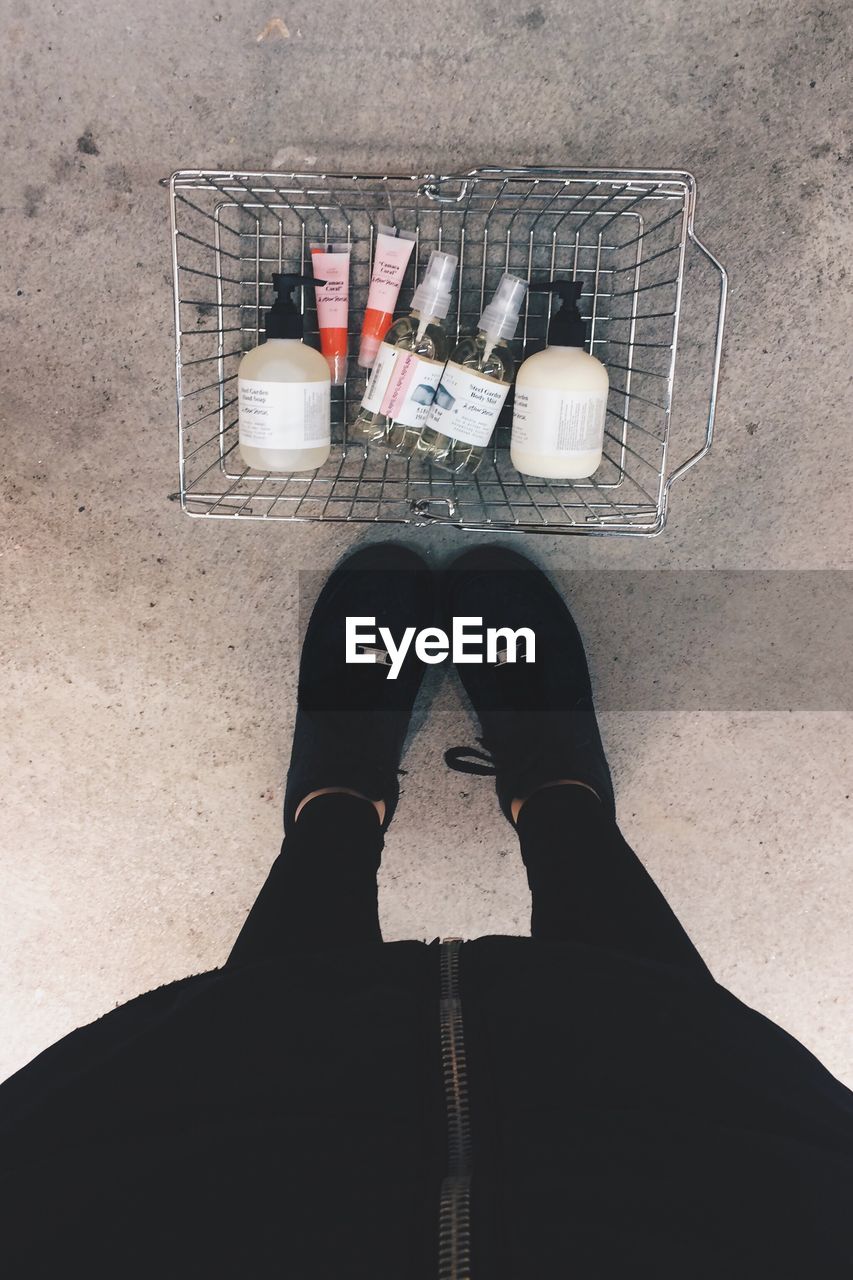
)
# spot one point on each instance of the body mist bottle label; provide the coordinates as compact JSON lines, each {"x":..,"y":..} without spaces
{"x":284,"y":415}
{"x":377,"y":384}
{"x":412,"y":389}
{"x":467,"y":405}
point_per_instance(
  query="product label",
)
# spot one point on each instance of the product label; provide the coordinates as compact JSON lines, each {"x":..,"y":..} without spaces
{"x":377,"y":383}
{"x":284,"y":415}
{"x":389,"y":263}
{"x":467,"y":405}
{"x":333,"y":296}
{"x":412,"y":389}
{"x":548,"y":420}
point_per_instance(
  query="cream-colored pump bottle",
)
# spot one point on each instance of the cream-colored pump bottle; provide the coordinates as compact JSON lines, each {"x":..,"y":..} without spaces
{"x":284,"y":392}
{"x":560,"y":399}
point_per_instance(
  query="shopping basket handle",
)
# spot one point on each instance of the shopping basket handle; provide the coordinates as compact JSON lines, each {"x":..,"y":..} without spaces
{"x":715,"y":374}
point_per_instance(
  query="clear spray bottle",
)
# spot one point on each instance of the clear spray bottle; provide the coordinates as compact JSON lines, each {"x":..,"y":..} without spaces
{"x":474,"y":385}
{"x":409,"y":363}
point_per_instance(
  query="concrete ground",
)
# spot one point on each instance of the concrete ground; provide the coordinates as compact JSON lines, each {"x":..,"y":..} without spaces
{"x":149,"y":659}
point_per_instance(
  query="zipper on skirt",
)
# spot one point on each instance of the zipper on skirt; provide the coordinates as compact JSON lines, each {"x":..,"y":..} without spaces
{"x":455,"y":1203}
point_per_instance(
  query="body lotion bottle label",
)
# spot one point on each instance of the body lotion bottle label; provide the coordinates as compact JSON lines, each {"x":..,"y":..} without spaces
{"x":551,"y":421}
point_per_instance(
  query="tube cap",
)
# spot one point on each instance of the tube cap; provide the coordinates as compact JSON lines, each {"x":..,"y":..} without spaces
{"x":368,"y":350}
{"x":500,"y":317}
{"x":283,"y":320}
{"x":432,"y":296}
{"x":567,"y":327}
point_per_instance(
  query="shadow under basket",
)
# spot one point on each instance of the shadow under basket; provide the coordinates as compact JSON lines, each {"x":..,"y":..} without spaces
{"x":649,"y":283}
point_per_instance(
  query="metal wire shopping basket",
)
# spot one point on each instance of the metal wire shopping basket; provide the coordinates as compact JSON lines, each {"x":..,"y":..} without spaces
{"x":625,"y":234}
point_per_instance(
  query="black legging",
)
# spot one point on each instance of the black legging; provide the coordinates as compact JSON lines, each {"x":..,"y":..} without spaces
{"x":587,"y":884}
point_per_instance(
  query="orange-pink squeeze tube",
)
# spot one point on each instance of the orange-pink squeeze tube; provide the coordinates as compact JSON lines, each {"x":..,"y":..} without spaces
{"x":390,"y":259}
{"x":331,"y":263}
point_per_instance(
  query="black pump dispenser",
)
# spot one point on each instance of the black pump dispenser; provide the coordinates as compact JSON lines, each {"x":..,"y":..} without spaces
{"x":567,"y":327}
{"x":283,"y":320}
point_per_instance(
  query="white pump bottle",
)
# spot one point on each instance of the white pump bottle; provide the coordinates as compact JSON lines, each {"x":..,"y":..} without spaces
{"x":284,"y":392}
{"x":560,"y":398}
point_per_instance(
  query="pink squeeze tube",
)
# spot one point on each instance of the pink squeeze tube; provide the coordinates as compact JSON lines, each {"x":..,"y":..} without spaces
{"x":331,"y":263}
{"x":390,"y":259}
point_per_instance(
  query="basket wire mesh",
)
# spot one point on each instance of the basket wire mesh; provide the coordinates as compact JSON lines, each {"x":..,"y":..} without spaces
{"x":624,"y":234}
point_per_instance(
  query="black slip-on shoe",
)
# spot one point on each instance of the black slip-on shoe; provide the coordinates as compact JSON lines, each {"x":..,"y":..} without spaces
{"x":351,"y":718}
{"x":537,"y":718}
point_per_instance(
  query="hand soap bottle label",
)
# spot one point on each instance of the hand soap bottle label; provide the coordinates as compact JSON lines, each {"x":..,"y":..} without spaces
{"x":467,"y":405}
{"x":377,"y":383}
{"x":284,"y":415}
{"x":550,"y":421}
{"x":412,"y":389}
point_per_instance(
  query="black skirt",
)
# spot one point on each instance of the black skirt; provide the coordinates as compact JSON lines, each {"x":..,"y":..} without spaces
{"x":289,"y":1119}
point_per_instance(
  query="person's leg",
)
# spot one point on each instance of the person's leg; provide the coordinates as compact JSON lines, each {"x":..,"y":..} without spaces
{"x":551,"y":774}
{"x":589,"y":886}
{"x":321,"y":890}
{"x":342,"y":785}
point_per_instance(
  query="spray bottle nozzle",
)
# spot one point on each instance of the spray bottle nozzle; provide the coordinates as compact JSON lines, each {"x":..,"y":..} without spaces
{"x":283,"y":320}
{"x":433,"y":294}
{"x":500,"y":318}
{"x":567,"y":327}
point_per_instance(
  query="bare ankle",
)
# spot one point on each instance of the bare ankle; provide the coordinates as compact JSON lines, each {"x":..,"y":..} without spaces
{"x":379,"y":805}
{"x":518,"y":804}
